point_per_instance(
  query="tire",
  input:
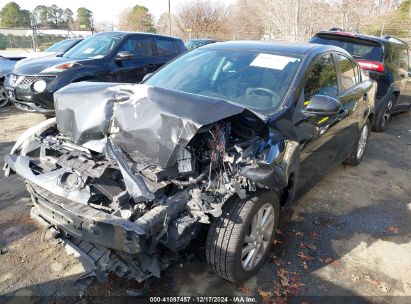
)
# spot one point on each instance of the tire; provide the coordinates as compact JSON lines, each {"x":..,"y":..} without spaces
{"x":384,"y":115}
{"x":357,"y":153}
{"x":227,"y":235}
{"x":4,"y":98}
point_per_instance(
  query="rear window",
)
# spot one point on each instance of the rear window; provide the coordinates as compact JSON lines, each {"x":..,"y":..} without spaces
{"x":358,"y":49}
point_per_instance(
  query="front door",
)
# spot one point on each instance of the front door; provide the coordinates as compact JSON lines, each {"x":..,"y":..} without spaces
{"x":134,"y":69}
{"x":318,"y":135}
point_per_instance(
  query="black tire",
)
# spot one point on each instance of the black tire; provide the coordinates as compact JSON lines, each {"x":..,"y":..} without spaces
{"x":383,"y":116}
{"x":356,"y":157}
{"x":226,"y":235}
{"x":4,"y":98}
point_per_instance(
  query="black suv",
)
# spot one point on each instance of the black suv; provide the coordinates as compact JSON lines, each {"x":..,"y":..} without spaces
{"x":384,"y":59}
{"x":107,"y":57}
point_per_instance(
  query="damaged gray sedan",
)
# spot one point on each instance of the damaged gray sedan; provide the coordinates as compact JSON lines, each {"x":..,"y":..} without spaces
{"x":218,"y":140}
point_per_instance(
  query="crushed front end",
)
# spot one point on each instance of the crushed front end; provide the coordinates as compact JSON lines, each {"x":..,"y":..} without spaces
{"x":139,"y":176}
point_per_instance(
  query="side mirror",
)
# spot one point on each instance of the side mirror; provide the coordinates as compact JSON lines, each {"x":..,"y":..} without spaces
{"x":321,"y":105}
{"x":124,"y":56}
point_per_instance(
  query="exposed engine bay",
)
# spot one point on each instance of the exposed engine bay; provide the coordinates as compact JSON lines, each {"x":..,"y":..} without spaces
{"x":140,"y":174}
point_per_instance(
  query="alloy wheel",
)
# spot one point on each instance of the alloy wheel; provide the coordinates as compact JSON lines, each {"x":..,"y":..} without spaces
{"x":4,"y":99}
{"x":257,"y":241}
{"x":386,"y":115}
{"x":362,"y":142}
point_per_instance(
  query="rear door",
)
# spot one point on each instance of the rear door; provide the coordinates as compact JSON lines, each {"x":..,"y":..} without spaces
{"x":354,"y":99}
{"x":134,"y":69}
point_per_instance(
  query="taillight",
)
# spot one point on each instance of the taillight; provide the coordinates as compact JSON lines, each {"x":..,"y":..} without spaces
{"x":371,"y":65}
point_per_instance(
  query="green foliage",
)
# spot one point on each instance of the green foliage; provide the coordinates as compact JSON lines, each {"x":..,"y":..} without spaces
{"x":12,"y":16}
{"x":396,"y":23}
{"x":138,"y":19}
{"x":53,"y":17}
{"x":84,"y":18}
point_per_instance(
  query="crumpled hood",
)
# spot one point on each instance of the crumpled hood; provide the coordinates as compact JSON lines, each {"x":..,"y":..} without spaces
{"x":151,"y":125}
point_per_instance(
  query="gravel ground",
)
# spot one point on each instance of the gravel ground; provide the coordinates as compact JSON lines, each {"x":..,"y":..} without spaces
{"x":348,"y":240}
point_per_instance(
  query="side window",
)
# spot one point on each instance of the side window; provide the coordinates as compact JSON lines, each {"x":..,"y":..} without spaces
{"x":165,"y":47}
{"x":138,"y":46}
{"x":348,"y":72}
{"x":322,"y":79}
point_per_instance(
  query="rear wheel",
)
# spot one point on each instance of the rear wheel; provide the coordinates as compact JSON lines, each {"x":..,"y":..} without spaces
{"x":359,"y":149}
{"x":239,"y":241}
{"x":4,"y":98}
{"x":383,"y":117}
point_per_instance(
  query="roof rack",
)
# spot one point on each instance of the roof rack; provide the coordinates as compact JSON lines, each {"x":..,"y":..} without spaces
{"x":336,"y":29}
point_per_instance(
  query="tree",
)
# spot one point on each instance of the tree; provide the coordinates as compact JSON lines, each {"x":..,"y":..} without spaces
{"x":203,"y":19}
{"x":137,"y":19}
{"x":396,"y":22}
{"x":68,"y":17}
{"x":84,"y":18}
{"x":55,"y":16}
{"x":40,"y":14}
{"x":12,"y":16}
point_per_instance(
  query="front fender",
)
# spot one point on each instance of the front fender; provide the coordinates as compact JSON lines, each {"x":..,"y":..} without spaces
{"x":275,"y":165}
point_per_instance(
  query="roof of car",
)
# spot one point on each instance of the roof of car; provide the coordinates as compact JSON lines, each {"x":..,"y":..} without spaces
{"x":269,"y":46}
{"x":126,"y":33}
{"x":382,"y":39}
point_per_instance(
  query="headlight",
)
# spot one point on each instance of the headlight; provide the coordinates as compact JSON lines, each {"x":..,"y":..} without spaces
{"x":39,"y":86}
{"x":60,"y":67}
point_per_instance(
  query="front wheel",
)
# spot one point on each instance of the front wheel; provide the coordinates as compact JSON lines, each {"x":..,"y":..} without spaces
{"x":239,"y":241}
{"x":4,"y":98}
{"x":359,"y":149}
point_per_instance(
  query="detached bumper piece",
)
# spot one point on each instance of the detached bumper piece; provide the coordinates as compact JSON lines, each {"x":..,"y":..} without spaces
{"x":84,"y":222}
{"x":81,"y":224}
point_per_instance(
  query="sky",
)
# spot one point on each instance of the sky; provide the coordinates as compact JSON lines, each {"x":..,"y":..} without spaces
{"x":104,"y":10}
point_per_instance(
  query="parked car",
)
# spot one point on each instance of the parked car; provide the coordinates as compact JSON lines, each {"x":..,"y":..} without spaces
{"x":219,"y":139}
{"x":108,"y":56}
{"x":195,"y":43}
{"x":384,"y":59}
{"x":8,"y":62}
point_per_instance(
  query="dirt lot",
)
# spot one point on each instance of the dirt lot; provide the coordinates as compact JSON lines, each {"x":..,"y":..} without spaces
{"x":347,"y":240}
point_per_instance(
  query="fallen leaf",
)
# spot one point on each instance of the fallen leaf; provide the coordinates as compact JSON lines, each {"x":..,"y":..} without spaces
{"x":304,"y":256}
{"x":265,"y":295}
{"x":336,"y":263}
{"x":314,"y":235}
{"x":299,"y":233}
{"x":305,"y":266}
{"x":354,"y":278}
{"x":325,"y":260}
{"x":282,"y":274}
{"x":277,"y":291}
{"x":244,"y":289}
{"x":278,"y":261}
{"x":393,"y":229}
{"x":383,"y":286}
{"x":279,"y":231}
{"x":308,"y":245}
{"x":275,"y":242}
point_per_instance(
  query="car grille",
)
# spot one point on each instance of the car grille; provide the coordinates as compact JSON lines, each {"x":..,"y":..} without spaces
{"x":20,"y":79}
